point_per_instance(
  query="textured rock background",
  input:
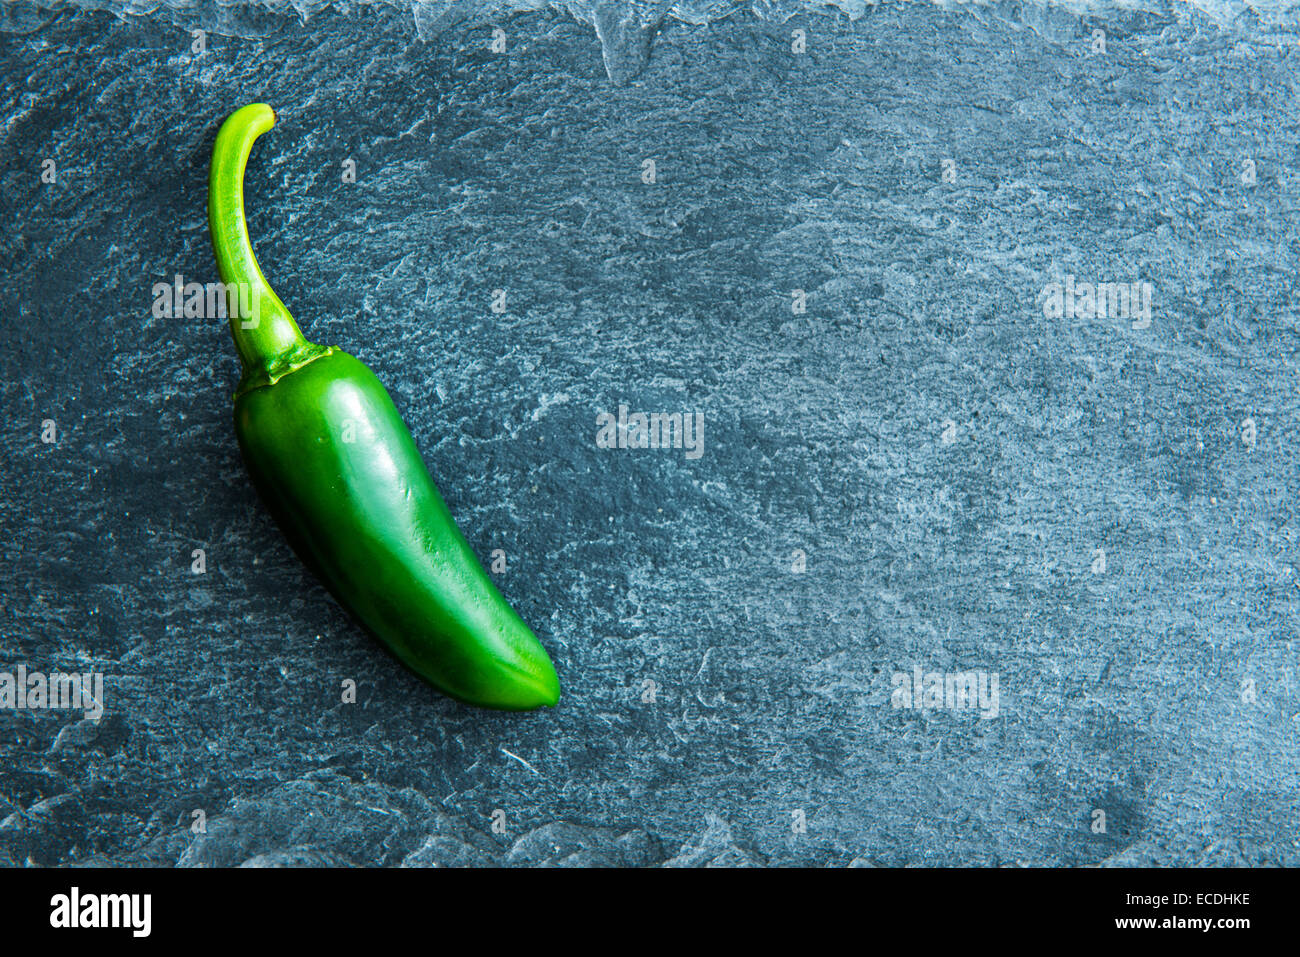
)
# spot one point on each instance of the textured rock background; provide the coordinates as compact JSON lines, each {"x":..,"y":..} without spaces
{"x":522,"y":171}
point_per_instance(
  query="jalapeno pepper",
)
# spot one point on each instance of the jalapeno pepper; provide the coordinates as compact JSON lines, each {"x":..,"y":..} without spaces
{"x":339,"y":471}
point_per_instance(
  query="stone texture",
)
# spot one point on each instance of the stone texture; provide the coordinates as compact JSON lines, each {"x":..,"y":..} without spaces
{"x":715,"y":848}
{"x":296,"y":857}
{"x":570,"y":845}
{"x":711,"y":689}
{"x":443,"y":851}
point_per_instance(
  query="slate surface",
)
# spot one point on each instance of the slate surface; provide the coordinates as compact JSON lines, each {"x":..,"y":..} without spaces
{"x":948,"y":459}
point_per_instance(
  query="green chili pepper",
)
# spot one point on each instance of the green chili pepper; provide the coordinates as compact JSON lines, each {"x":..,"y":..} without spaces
{"x":337,"y":468}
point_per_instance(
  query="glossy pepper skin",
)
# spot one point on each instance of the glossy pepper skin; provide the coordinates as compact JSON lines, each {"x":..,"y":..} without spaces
{"x":339,"y":471}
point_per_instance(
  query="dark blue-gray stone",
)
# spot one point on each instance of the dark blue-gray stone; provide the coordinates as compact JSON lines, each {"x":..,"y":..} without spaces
{"x":948,"y":459}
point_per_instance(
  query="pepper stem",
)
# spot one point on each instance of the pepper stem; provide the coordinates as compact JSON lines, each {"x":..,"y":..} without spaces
{"x":268,"y":340}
